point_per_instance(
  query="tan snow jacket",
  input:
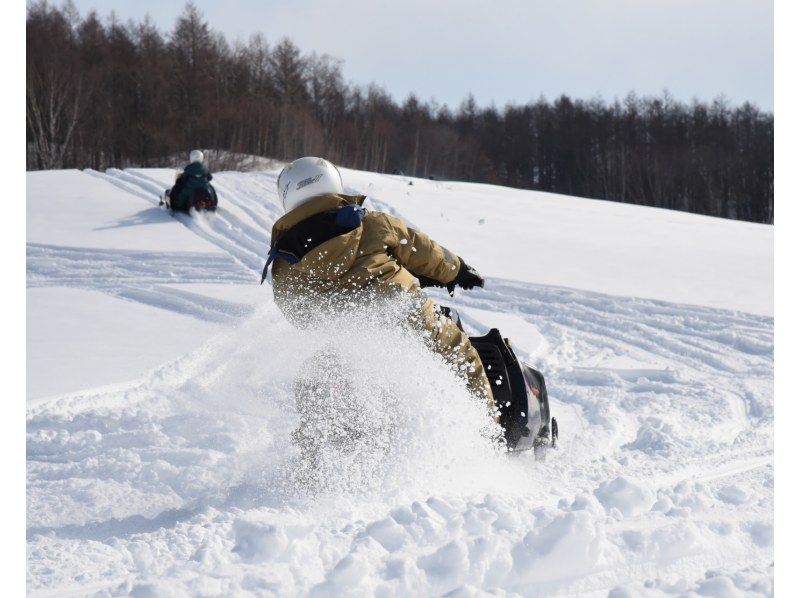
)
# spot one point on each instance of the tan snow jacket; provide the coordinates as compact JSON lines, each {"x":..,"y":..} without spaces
{"x":382,"y":250}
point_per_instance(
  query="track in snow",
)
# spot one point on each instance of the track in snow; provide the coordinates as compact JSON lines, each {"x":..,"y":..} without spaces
{"x":664,"y":474}
{"x":246,"y":243}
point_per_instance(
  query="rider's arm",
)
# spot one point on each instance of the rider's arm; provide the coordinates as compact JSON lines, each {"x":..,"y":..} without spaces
{"x":418,"y":253}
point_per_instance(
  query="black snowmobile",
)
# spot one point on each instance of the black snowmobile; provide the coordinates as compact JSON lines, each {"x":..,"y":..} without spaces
{"x":328,"y":419}
{"x":188,"y":193}
{"x":519,"y":391}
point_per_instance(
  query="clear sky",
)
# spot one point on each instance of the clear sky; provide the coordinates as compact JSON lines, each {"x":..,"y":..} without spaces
{"x":512,"y":50}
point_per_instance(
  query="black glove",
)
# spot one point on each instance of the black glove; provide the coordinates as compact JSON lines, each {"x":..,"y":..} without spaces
{"x":467,"y":278}
{"x":425,"y":282}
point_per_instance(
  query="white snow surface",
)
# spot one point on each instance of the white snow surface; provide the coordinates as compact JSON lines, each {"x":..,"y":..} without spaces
{"x":109,"y":347}
{"x":609,"y":247}
{"x":160,"y":376}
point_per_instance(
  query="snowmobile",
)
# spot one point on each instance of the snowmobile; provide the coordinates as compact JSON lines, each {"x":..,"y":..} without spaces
{"x":184,"y":196}
{"x":328,"y":417}
{"x":519,"y":391}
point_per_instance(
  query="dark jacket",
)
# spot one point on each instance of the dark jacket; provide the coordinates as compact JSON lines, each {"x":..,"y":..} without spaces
{"x":196,"y":175}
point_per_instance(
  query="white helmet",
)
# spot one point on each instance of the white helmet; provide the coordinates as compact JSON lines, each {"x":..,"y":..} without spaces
{"x":196,"y":156}
{"x":306,"y":178}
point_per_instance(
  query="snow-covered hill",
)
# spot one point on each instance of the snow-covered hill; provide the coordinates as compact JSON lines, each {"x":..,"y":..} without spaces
{"x":160,"y":403}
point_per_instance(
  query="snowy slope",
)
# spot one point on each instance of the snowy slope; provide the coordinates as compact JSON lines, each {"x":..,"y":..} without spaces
{"x":160,"y":403}
{"x":609,"y":247}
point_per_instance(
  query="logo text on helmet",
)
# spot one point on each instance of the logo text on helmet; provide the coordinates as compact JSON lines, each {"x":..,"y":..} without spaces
{"x":309,"y":181}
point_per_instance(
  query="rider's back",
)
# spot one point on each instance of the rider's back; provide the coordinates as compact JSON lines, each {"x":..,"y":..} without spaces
{"x":196,"y":174}
{"x":381,"y":253}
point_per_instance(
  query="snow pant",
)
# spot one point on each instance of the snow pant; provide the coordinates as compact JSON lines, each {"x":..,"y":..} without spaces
{"x":454,"y":345}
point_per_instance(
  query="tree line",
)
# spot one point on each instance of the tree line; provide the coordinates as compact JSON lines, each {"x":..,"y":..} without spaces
{"x":103,"y":93}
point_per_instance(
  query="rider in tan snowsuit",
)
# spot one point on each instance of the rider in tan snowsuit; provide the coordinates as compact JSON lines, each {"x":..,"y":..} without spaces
{"x":327,"y":251}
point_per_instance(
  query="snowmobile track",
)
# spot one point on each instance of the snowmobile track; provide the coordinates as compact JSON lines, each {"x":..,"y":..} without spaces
{"x":243,"y":242}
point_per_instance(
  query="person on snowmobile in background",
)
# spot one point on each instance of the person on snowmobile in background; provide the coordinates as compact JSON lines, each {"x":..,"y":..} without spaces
{"x":195,"y":175}
{"x":327,"y":250}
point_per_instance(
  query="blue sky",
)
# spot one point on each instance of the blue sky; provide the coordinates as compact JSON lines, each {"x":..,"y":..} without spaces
{"x":513,"y":50}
